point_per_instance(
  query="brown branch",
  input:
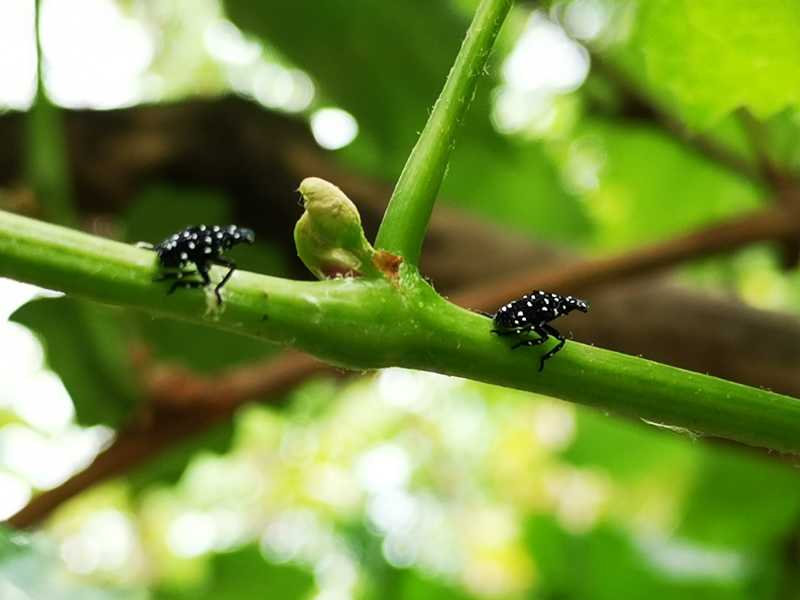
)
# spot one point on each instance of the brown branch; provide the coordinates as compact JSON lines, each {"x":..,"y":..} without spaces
{"x":775,"y":224}
{"x":181,"y":405}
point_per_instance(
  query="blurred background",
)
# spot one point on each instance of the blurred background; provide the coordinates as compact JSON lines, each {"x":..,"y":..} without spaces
{"x":644,"y":158}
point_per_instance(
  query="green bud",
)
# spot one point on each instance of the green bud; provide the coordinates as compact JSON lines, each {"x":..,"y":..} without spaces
{"x":329,"y":237}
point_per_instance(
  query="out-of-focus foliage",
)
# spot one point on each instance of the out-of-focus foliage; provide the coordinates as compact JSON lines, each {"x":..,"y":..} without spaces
{"x":714,"y":57}
{"x":409,"y":48}
{"x":639,"y":196}
{"x":99,"y":371}
{"x":436,"y":487}
{"x":29,"y":568}
{"x":414,"y":486}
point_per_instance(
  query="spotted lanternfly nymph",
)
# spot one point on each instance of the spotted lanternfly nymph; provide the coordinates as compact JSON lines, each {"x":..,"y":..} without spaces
{"x":533,"y":313}
{"x":201,"y":246}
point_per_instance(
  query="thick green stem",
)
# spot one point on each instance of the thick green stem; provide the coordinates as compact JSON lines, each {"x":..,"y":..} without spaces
{"x":410,"y":208}
{"x":368,"y":324}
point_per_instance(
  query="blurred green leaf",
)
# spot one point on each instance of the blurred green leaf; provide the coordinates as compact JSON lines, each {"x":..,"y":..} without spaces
{"x":740,"y":500}
{"x":413,"y":586}
{"x":553,"y":552}
{"x":245,"y":574}
{"x":651,"y":187}
{"x":85,"y":344}
{"x":609,"y":566}
{"x":161,"y":210}
{"x":170,"y":464}
{"x":717,"y":55}
{"x":517,"y":185}
{"x":383,"y":62}
{"x":200,"y":348}
{"x":606,"y":564}
{"x":12,"y":543}
{"x":603,"y":441}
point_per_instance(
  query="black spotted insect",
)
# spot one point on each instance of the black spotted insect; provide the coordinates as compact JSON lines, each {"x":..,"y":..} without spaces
{"x":534,"y":313}
{"x":201,"y":246}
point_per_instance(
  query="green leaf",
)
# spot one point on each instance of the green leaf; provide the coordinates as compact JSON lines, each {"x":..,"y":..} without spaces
{"x":606,"y":564}
{"x":85,"y":345}
{"x":715,"y":56}
{"x":170,"y":464}
{"x":413,"y":586}
{"x":517,"y":185}
{"x":160,"y":210}
{"x":651,"y":187}
{"x":741,"y":501}
{"x":12,"y":543}
{"x":244,"y":575}
{"x":384,"y":62}
{"x":605,"y":442}
{"x":200,"y":348}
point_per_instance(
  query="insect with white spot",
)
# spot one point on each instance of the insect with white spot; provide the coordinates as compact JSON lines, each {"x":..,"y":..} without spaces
{"x":534,"y":313}
{"x":201,"y":246}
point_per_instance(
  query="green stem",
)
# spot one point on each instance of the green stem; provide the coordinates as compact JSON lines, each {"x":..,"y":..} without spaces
{"x":372,"y":324}
{"x":411,"y":206}
{"x":46,"y":158}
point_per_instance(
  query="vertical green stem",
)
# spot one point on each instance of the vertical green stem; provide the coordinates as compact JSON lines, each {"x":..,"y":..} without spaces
{"x":410,"y":208}
{"x":46,"y":159}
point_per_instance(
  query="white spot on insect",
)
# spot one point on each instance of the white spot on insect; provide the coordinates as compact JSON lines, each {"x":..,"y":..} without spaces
{"x":219,"y":235}
{"x":202,"y":228}
{"x":207,"y":239}
{"x":184,"y":256}
{"x":520,"y":313}
{"x":206,"y":250}
{"x":191,"y":245}
{"x":215,"y":228}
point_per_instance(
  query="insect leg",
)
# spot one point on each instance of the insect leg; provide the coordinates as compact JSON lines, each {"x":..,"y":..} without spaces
{"x":224,"y":262}
{"x":561,"y":341}
{"x":543,"y":337}
{"x":181,"y":283}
